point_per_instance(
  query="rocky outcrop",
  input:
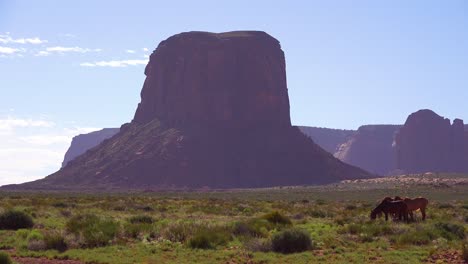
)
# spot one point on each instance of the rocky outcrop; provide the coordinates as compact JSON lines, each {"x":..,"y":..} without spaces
{"x":327,"y":138}
{"x":81,"y":143}
{"x":233,"y":79}
{"x":371,"y":149}
{"x":430,"y":143}
{"x":214,"y":113}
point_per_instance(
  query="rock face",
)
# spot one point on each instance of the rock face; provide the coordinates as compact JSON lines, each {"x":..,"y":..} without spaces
{"x":327,"y":138}
{"x":430,"y":143}
{"x":214,"y":112}
{"x":233,"y":79}
{"x":81,"y":143}
{"x":371,"y":149}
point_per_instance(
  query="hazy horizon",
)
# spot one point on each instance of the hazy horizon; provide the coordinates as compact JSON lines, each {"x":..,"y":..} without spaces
{"x":70,"y":68}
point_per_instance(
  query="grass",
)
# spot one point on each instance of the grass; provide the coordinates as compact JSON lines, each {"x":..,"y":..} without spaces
{"x":239,"y":226}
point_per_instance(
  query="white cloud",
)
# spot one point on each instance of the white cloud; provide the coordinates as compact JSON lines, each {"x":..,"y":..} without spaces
{"x":145,"y":49}
{"x":130,"y":51}
{"x":33,"y":148}
{"x":63,"y":50}
{"x":8,"y":50}
{"x":5,"y":39}
{"x":8,"y":124}
{"x":115,"y":63}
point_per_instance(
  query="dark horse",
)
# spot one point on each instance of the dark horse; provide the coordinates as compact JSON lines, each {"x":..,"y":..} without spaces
{"x":399,"y":208}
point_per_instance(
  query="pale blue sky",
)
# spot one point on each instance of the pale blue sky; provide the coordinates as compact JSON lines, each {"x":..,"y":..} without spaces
{"x":348,"y":62}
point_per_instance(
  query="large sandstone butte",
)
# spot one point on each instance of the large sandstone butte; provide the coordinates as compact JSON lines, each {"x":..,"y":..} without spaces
{"x":214,"y":112}
{"x":81,"y":143}
{"x":430,"y":143}
{"x":371,"y":149}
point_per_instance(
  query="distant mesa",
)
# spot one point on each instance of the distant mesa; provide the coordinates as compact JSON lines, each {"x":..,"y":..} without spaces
{"x":371,"y":149}
{"x":431,"y":143}
{"x":214,"y":113}
{"x":327,"y":138}
{"x":426,"y":142}
{"x":81,"y":143}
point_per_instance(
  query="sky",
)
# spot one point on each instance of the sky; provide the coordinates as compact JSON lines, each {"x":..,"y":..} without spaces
{"x":71,"y":67}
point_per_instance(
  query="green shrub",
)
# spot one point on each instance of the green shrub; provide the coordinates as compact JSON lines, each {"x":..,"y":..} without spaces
{"x":94,"y":230}
{"x":291,"y":241}
{"x":451,"y":231}
{"x":351,"y":207}
{"x":55,"y":241}
{"x":209,"y":238}
{"x":277,"y":218}
{"x":35,"y":235}
{"x":22,"y":233}
{"x":5,"y":258}
{"x":258,"y":245}
{"x":255,"y":227}
{"x":137,"y":230}
{"x":14,"y":220}
{"x":179,"y":231}
{"x":141,"y":219}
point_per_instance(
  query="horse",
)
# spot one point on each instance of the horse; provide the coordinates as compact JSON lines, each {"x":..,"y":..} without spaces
{"x":415,"y":204}
{"x":391,"y":207}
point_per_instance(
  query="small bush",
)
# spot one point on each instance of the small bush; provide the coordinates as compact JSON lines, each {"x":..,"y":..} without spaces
{"x":209,"y":238}
{"x":37,"y":245}
{"x":291,"y":241}
{"x":94,"y":230}
{"x":22,"y":233}
{"x":14,"y":220}
{"x":141,"y":219}
{"x":179,"y":231}
{"x":255,"y":227}
{"x":351,"y":207}
{"x":5,"y":258}
{"x":137,"y":230}
{"x":55,"y":241}
{"x":35,"y":235}
{"x":451,"y":231}
{"x":258,"y":245}
{"x":277,"y":218}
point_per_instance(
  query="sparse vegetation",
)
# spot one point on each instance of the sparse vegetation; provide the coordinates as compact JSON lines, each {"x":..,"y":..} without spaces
{"x":247,"y":226}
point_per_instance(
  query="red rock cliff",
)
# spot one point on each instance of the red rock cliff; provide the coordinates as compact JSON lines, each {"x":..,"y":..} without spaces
{"x":430,"y":143}
{"x":199,"y":78}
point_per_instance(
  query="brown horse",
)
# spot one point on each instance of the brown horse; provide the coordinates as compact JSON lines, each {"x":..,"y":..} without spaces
{"x":387,"y":207}
{"x":415,"y":204}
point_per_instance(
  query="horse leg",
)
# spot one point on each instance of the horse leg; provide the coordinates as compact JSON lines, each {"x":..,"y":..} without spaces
{"x":386,"y":216}
{"x":411,"y":214}
{"x":423,"y":212}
